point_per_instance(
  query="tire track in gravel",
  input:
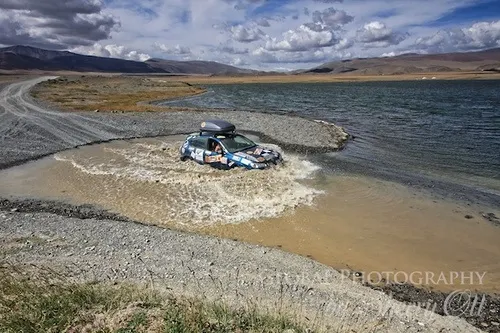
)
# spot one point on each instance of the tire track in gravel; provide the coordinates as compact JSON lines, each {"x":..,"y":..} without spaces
{"x":64,"y":129}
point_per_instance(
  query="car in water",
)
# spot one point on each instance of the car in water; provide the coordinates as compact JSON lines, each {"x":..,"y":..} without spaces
{"x":218,"y":145}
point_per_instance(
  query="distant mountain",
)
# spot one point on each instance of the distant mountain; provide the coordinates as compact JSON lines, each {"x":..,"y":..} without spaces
{"x":31,"y":58}
{"x":197,"y":67}
{"x":488,"y":60}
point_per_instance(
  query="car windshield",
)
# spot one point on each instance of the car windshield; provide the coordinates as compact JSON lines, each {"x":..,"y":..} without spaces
{"x":235,"y":143}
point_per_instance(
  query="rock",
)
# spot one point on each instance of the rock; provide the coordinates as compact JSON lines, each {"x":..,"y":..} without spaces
{"x":490,"y":217}
{"x":96,"y":110}
{"x":14,"y":210}
{"x":289,"y":331}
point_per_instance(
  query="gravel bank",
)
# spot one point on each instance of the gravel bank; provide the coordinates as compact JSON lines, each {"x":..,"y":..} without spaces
{"x":190,"y":264}
{"x":28,"y":131}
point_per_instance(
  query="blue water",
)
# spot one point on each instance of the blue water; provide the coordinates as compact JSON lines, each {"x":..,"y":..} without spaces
{"x":438,"y":134}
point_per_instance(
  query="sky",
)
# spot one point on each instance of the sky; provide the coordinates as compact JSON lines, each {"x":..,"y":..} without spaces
{"x":257,"y":34}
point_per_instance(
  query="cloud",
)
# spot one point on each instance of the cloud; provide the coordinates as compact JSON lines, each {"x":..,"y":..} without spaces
{"x":54,"y":24}
{"x":263,"y":22}
{"x":331,"y":18}
{"x":478,"y":36}
{"x":112,"y":51}
{"x":232,"y":50}
{"x":176,"y":49}
{"x":242,"y":34}
{"x":258,"y":33}
{"x":302,"y":39}
{"x":377,"y":34}
{"x":239,"y":62}
{"x":300,"y":57}
{"x":329,"y":1}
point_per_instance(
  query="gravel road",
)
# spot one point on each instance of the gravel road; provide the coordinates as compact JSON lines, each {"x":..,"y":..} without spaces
{"x":90,"y":248}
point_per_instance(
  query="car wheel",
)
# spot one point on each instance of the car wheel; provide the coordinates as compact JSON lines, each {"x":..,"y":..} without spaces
{"x":183,"y":158}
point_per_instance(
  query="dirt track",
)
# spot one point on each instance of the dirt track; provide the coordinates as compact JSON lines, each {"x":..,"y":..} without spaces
{"x":112,"y":250}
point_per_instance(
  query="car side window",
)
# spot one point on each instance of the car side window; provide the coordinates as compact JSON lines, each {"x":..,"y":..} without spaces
{"x":199,"y":142}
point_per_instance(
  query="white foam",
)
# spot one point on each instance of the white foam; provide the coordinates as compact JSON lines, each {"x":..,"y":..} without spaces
{"x":193,"y":194}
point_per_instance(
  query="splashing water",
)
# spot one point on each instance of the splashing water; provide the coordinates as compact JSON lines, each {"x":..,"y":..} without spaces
{"x":146,"y":180}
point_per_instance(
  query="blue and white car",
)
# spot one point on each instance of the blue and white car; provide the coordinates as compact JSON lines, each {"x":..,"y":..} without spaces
{"x":218,"y":145}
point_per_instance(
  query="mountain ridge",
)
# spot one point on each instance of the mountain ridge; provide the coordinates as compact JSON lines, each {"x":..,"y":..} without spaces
{"x":21,"y":57}
{"x":484,"y":60}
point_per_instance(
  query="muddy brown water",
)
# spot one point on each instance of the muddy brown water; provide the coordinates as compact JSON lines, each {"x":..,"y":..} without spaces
{"x":345,"y":221}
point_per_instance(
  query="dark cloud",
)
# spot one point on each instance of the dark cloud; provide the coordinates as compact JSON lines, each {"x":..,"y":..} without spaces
{"x":331,"y":18}
{"x":54,"y":24}
{"x":52,"y":8}
{"x":263,"y":22}
{"x":232,"y":50}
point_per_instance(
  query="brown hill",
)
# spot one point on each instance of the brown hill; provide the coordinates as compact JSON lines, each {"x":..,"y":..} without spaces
{"x":414,"y":63}
{"x":196,"y":67}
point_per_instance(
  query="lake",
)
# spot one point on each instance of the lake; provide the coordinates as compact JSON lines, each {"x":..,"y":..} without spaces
{"x":440,"y":135}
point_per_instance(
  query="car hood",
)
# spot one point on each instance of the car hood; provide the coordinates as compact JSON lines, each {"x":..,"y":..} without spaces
{"x":258,"y":154}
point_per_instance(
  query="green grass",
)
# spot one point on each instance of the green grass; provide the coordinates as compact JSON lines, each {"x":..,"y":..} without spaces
{"x":44,"y":301}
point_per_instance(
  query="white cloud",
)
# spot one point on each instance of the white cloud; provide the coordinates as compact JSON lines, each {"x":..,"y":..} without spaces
{"x":480,"y":35}
{"x":246,"y":35}
{"x":239,"y":62}
{"x":377,"y":34}
{"x":299,"y":57}
{"x":302,"y":39}
{"x":176,"y":49}
{"x":112,"y":51}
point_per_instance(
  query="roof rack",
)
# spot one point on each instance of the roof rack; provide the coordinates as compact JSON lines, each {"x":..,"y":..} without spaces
{"x":217,"y":126}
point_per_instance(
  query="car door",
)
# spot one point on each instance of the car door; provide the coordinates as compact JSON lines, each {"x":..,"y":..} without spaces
{"x":200,"y":145}
{"x":212,"y":156}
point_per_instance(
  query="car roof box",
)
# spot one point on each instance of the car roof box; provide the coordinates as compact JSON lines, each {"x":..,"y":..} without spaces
{"x":217,"y":126}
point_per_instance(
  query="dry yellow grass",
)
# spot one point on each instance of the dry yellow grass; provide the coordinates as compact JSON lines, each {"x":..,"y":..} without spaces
{"x":111,"y":93}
